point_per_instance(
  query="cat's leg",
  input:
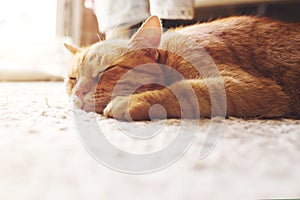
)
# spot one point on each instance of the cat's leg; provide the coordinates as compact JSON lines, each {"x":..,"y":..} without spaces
{"x":246,"y":97}
{"x":251,"y":96}
{"x":137,"y":106}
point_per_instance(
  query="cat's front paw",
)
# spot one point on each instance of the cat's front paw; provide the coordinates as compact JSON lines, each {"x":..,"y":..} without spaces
{"x":127,"y":108}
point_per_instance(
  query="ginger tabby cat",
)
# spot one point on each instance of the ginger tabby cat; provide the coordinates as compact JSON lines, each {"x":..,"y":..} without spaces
{"x":258,"y":60}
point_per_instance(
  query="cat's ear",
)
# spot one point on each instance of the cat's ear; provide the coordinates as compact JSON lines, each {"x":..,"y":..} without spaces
{"x":149,"y":34}
{"x":72,"y":49}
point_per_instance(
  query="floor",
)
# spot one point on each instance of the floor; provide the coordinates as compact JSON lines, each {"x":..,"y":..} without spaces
{"x":43,"y":157}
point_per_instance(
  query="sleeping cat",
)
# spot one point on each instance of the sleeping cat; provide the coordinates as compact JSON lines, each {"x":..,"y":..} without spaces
{"x":257,"y":58}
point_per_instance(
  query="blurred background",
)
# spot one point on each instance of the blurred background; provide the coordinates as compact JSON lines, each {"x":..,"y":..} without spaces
{"x":32,"y":32}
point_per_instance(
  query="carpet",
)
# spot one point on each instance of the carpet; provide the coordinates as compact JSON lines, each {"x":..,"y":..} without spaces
{"x":42,"y":155}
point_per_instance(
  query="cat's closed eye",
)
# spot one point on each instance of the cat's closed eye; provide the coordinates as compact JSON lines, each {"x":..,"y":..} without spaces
{"x":73,"y":79}
{"x":70,"y":83}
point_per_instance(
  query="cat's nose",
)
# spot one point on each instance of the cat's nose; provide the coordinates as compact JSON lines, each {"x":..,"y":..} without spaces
{"x":81,"y":93}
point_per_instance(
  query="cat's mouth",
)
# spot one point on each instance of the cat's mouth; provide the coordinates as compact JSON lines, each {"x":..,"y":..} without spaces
{"x":86,"y":106}
{"x":76,"y":101}
{"x":80,"y":104}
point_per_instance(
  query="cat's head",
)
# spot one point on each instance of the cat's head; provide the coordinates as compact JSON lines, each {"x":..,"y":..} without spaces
{"x":95,"y":70}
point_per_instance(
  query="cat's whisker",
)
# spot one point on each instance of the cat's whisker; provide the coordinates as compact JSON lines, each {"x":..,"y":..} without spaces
{"x":113,"y":31}
{"x":99,"y":38}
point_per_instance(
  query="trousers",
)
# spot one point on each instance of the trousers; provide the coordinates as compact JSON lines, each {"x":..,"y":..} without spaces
{"x":112,"y":14}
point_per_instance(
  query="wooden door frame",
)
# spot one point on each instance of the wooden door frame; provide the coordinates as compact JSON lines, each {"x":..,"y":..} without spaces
{"x":68,"y":19}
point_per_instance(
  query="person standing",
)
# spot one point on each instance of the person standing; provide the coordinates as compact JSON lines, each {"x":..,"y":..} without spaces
{"x":116,"y":16}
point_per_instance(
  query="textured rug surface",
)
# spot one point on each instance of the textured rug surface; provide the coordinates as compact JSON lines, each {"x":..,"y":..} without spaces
{"x":42,"y":156}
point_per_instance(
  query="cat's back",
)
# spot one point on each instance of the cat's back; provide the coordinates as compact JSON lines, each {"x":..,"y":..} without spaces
{"x":237,"y":26}
{"x":243,"y":39}
{"x":215,"y":27}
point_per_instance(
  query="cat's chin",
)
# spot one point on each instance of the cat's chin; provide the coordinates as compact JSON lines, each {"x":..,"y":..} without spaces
{"x":88,"y":108}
